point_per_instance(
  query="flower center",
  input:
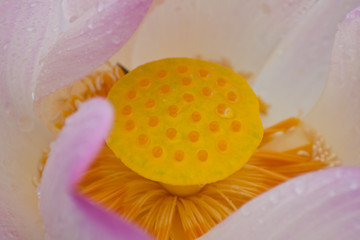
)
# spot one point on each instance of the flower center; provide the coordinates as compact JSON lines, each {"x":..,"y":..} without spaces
{"x":184,"y":153}
{"x":194,"y":122}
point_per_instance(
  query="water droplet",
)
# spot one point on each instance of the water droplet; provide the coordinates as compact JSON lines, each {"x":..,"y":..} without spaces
{"x":245,"y":211}
{"x":260,"y":221}
{"x":299,"y":188}
{"x":30,"y":29}
{"x":354,"y":186}
{"x":118,"y":21}
{"x":274,"y":198}
{"x":263,"y":207}
{"x":33,"y":5}
{"x":116,"y":40}
{"x":109,"y":31}
{"x":339,"y":174}
{"x":331,"y":193}
{"x":38,"y":193}
{"x":6,"y":45}
{"x":90,"y":25}
{"x":100,"y":7}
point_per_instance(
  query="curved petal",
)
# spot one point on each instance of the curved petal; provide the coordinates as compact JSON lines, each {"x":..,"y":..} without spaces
{"x":298,"y":67}
{"x":318,"y":205}
{"x":74,"y":9}
{"x":24,"y":24}
{"x":89,"y":41}
{"x":337,"y":114}
{"x":19,"y":160}
{"x":238,"y":33}
{"x":67,"y":215}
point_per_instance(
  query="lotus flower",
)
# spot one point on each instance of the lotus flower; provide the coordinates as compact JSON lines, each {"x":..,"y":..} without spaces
{"x":286,"y":45}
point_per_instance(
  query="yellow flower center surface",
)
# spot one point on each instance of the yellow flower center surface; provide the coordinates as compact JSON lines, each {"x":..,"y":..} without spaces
{"x":183,"y":121}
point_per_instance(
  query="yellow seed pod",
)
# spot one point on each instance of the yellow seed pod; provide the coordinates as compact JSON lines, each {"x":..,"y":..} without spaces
{"x":184,"y":122}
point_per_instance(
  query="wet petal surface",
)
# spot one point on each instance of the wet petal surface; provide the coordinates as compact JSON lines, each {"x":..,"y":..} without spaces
{"x":66,"y":214}
{"x":337,"y":114}
{"x":319,"y":205}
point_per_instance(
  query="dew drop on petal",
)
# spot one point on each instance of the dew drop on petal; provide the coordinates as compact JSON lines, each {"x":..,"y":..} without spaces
{"x":274,"y":198}
{"x":354,"y":186}
{"x":245,"y":211}
{"x":100,"y":7}
{"x":116,"y":40}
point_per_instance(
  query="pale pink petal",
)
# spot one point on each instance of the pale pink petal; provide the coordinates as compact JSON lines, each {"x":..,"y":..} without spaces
{"x":337,"y":114}
{"x":67,"y":215}
{"x":242,"y":33}
{"x":89,"y":41}
{"x":319,"y":205}
{"x":298,"y":67}
{"x":24,"y":24}
{"x":74,"y":9}
{"x":19,"y":160}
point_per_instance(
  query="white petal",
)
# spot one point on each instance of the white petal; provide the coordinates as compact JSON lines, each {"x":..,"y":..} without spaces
{"x":293,"y":78}
{"x":244,"y":33}
{"x":337,"y":114}
{"x":20,"y":157}
{"x":323,"y":205}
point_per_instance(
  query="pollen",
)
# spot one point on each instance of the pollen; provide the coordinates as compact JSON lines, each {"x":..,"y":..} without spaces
{"x":95,"y":84}
{"x":185,"y":124}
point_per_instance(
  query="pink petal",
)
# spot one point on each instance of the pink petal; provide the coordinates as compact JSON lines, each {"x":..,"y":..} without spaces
{"x":66,"y":215}
{"x":299,"y":65}
{"x":74,"y":9}
{"x":23,"y":27}
{"x":318,"y":205}
{"x":337,"y":114}
{"x":242,"y":33}
{"x":89,"y":41}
